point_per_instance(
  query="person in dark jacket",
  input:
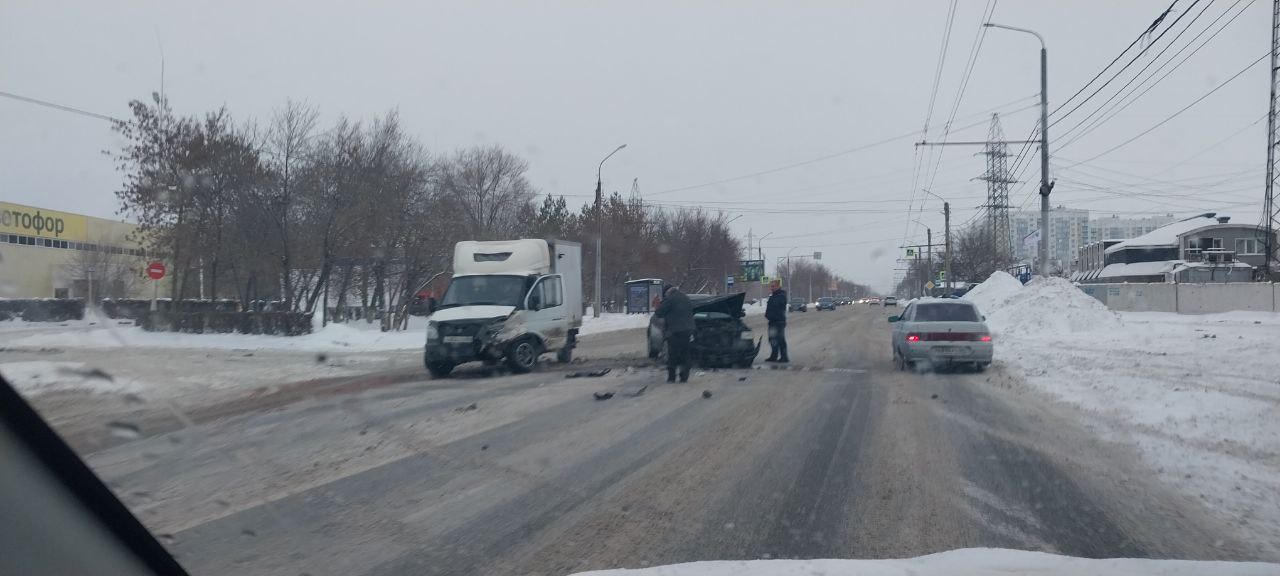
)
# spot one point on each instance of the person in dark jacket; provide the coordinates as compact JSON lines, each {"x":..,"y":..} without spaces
{"x":677,"y":310}
{"x":775,"y":312}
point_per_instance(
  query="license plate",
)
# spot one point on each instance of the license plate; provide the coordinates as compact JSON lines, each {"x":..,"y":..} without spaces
{"x":457,"y":339}
{"x":950,"y":350}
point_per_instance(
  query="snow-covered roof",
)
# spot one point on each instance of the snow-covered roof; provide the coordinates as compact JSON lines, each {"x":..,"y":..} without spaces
{"x":1138,"y":269}
{"x":1165,"y":236}
{"x":1191,"y":265}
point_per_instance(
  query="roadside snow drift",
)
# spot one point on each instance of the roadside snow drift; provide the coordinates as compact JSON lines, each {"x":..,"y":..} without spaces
{"x":355,"y":336}
{"x":965,"y":562}
{"x":1043,"y":306}
{"x":1197,"y":396}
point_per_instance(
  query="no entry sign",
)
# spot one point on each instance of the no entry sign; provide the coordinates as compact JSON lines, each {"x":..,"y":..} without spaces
{"x":155,"y":270}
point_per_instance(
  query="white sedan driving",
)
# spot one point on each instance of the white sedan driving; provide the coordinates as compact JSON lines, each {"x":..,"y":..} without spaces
{"x":941,"y":333}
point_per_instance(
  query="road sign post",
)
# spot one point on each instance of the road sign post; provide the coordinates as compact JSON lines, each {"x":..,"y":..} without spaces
{"x":155,"y":271}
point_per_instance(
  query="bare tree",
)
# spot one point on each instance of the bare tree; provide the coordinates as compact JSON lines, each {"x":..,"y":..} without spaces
{"x":287,"y":151}
{"x":488,"y":186}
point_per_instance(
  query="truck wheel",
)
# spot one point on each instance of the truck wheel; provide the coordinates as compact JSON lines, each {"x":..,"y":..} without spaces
{"x":439,"y":369}
{"x":522,"y":355}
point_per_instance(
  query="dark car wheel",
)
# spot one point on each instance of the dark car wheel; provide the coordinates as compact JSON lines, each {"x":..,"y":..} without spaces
{"x":522,"y":355}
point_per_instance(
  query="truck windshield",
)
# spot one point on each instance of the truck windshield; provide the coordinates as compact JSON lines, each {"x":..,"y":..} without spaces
{"x":485,"y":290}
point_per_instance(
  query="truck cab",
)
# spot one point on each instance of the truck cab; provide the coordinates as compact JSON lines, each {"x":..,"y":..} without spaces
{"x":509,"y":301}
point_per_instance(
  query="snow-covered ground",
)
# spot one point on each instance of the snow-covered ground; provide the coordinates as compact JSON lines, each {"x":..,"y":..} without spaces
{"x":966,"y":562}
{"x":1197,"y":395}
{"x":44,"y":357}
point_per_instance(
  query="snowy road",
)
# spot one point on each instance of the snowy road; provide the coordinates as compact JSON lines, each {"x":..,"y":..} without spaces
{"x":837,"y":456}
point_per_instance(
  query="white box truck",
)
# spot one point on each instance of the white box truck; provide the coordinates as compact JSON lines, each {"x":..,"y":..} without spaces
{"x":509,"y":301}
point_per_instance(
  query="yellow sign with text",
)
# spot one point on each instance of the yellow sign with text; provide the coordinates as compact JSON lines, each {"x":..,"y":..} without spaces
{"x":42,"y":223}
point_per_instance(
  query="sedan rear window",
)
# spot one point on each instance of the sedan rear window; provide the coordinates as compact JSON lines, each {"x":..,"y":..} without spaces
{"x":948,"y":312}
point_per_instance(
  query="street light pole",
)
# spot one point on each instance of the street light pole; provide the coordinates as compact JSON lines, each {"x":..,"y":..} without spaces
{"x":596,"y":301}
{"x":1045,"y":185}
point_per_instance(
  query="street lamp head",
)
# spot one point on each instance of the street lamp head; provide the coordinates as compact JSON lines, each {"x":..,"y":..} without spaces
{"x":1016,"y":29}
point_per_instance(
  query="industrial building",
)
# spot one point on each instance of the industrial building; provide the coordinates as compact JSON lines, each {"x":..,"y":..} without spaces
{"x":52,"y":254}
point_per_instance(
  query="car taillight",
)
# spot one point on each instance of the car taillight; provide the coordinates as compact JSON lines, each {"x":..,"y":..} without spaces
{"x":913,"y":337}
{"x":985,"y":338}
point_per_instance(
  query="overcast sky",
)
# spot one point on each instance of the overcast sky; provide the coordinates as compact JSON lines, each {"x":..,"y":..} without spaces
{"x":699,"y":91}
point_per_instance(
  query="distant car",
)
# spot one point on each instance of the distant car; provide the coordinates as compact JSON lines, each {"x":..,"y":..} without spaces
{"x":720,"y":337}
{"x":941,"y":333}
{"x":826,"y":304}
{"x":890,"y":301}
{"x":798,"y":305}
{"x":873,"y":301}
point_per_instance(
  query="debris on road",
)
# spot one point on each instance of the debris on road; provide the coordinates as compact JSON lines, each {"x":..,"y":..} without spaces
{"x":467,"y":408}
{"x":639,"y":391}
{"x":603,"y":395}
{"x":706,"y":393}
{"x":742,"y":378}
{"x":589,"y":374}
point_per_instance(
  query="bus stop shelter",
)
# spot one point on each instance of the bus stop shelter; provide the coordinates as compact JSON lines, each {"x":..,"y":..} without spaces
{"x":643,"y":295}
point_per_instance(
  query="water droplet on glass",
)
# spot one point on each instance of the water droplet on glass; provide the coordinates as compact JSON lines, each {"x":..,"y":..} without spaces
{"x":664,"y":248}
{"x":124,"y":430}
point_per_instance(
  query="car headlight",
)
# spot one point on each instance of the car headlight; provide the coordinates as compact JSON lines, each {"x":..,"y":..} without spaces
{"x":433,"y":332}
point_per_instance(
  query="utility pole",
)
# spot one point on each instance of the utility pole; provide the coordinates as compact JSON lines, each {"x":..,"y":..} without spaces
{"x":1269,"y":211}
{"x":919,"y":283}
{"x":946,"y":215}
{"x":596,"y":299}
{"x":929,"y":260}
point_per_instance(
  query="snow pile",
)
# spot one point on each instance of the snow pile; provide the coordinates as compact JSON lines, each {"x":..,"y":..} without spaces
{"x":964,"y":562}
{"x":995,"y":291}
{"x":1043,"y":307}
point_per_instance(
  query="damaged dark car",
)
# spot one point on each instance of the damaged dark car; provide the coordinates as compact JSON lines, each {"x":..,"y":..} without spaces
{"x":720,"y":339}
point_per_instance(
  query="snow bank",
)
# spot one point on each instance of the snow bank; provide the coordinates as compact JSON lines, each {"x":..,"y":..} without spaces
{"x":41,"y":376}
{"x":965,"y":562}
{"x":1043,"y":307}
{"x":609,"y":322}
{"x":1195,"y":395}
{"x":357,"y":336}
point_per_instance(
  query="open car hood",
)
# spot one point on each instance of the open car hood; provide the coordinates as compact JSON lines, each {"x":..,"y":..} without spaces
{"x":730,"y":304}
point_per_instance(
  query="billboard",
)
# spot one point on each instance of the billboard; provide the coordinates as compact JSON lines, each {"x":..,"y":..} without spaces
{"x":26,"y":220}
{"x":752,"y":270}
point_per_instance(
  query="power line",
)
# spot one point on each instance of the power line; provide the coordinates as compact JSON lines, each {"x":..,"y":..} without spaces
{"x":1224,"y":140}
{"x":1179,"y":112}
{"x":1129,"y":98}
{"x":1145,"y":33}
{"x":974,"y":51}
{"x":62,"y":107}
{"x":928,"y":117}
{"x":821,"y":158}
